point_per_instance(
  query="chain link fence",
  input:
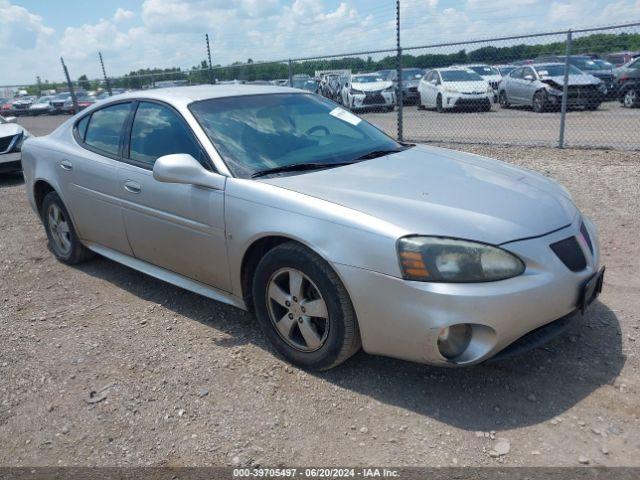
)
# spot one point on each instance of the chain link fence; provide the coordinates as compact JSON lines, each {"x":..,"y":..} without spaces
{"x":577,"y":88}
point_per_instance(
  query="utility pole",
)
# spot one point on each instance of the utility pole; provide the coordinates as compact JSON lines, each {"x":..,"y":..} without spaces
{"x":70,"y":85}
{"x":104,"y":74}
{"x":211,"y":78}
{"x":39,"y":86}
{"x":399,"y":70}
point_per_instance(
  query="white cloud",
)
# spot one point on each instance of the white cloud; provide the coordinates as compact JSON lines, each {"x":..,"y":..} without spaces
{"x":121,"y":15}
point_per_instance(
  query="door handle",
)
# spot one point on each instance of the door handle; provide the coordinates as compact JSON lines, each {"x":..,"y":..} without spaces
{"x":66,"y":165}
{"x":132,"y":187}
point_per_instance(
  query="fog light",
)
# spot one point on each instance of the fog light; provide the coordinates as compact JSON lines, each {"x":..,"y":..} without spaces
{"x":454,"y":340}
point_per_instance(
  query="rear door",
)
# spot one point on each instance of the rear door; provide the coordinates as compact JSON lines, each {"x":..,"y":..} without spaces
{"x":514,"y":87}
{"x":89,"y":179}
{"x":174,"y":226}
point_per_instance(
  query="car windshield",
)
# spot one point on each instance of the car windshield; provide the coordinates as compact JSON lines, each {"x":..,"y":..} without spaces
{"x":459,"y":76}
{"x":485,"y":70}
{"x":585,"y":64}
{"x":556,"y":70}
{"x":412,"y":74}
{"x":304,"y":83}
{"x":254,"y":133}
{"x":367,"y":78}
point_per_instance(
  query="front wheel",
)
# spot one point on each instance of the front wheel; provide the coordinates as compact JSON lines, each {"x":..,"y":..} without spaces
{"x":540,"y":101}
{"x":420,"y":104}
{"x":304,"y":309}
{"x":61,"y":234}
{"x":631,"y":98}
{"x":502,"y":99}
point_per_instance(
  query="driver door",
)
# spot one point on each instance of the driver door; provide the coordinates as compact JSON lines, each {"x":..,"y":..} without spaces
{"x":174,"y":226}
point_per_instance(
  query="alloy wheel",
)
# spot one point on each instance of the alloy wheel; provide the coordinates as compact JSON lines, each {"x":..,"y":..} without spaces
{"x":297,"y":310}
{"x":59,"y":228}
{"x":630,"y":98}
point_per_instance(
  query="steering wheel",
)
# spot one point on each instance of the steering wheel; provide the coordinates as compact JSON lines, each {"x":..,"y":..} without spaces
{"x":318,"y":128}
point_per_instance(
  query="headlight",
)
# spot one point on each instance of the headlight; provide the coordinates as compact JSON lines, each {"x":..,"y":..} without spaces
{"x":552,"y":90}
{"x":450,"y":89}
{"x":438,"y":259}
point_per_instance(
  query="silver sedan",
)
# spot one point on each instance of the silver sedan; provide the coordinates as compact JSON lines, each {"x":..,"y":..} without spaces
{"x":281,"y":202}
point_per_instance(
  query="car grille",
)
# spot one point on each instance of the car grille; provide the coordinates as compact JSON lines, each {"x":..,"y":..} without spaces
{"x":413,"y":89}
{"x":57,"y":104}
{"x":570,"y":253}
{"x":373,"y":99}
{"x":20,"y":106}
{"x":494,"y":85}
{"x":5,"y":142}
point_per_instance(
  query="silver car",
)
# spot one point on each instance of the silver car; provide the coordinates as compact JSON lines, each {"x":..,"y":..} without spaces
{"x":540,"y":86}
{"x":281,"y":202}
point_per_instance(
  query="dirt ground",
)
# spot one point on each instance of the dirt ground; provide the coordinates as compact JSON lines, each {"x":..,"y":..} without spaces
{"x":183,"y":380}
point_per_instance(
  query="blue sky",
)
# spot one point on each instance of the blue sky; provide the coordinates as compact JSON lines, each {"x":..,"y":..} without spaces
{"x":135,"y":34}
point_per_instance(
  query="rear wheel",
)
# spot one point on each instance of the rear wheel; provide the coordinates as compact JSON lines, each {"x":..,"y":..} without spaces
{"x":304,"y":309}
{"x":61,"y":234}
{"x":540,"y":101}
{"x":631,"y":98}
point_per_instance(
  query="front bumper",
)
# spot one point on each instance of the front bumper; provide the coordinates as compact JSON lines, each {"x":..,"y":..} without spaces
{"x":373,"y":100}
{"x":403,"y":319}
{"x":466,"y":100}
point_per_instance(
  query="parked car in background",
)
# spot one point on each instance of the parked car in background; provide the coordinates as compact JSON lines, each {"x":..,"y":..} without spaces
{"x":7,"y":106}
{"x":490,"y":74}
{"x":21,"y":105}
{"x":41,"y":106}
{"x":84,"y":101}
{"x":620,"y":58}
{"x":540,"y":86}
{"x":57,"y":103}
{"x":410,"y":81}
{"x":505,"y":69}
{"x":589,"y":65}
{"x":629,"y":89}
{"x":454,"y":88}
{"x":628,"y":67}
{"x":12,"y":136}
{"x":305,"y":82}
{"x":105,"y":94}
{"x":368,"y":91}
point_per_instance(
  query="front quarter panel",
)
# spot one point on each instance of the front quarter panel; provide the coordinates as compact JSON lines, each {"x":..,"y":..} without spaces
{"x":340,"y":235}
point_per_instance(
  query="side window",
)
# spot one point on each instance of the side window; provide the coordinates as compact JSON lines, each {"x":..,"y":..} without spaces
{"x":528,"y":71}
{"x":156,"y":131}
{"x":105,"y":127}
{"x":436,"y":77}
{"x":82,"y":127}
{"x":517,"y":73}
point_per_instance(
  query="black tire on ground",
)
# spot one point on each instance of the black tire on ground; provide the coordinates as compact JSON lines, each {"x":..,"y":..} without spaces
{"x":76,"y":252}
{"x":420,"y":104}
{"x":343,"y":337}
{"x":439,"y":104}
{"x":502,"y":99}
{"x":540,"y":101}
{"x":486,"y":107}
{"x":631,"y":98}
{"x":592,"y":106}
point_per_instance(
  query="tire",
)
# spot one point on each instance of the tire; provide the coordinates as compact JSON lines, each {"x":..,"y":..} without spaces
{"x":592,"y":106}
{"x":540,"y":101}
{"x":439,"y":104}
{"x":631,"y":98}
{"x":502,"y":99}
{"x":486,"y":107}
{"x":334,"y":338}
{"x":62,"y":238}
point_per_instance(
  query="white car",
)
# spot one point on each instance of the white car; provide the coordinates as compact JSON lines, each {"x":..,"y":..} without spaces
{"x":12,"y":136}
{"x":368,"y":91}
{"x":490,"y":74}
{"x":454,"y":87}
{"x":41,"y":106}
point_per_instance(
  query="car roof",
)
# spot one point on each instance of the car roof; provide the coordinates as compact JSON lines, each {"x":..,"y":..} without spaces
{"x":186,"y":95}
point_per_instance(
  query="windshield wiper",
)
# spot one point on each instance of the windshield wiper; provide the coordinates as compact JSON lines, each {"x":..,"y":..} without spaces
{"x":378,"y":153}
{"x":297,"y":167}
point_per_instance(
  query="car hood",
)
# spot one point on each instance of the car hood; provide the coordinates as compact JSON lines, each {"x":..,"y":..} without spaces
{"x":584,"y":79}
{"x":468,"y":87}
{"x":434,"y":191}
{"x":10,"y":129}
{"x":371,"y":86}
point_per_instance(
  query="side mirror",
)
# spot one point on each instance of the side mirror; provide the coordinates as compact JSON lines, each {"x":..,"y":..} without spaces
{"x":183,"y":168}
{"x":529,"y":77}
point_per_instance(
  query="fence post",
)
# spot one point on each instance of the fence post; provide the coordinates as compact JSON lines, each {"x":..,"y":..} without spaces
{"x":565,"y":89}
{"x":211,"y":78}
{"x":399,"y":71}
{"x":290,"y":73}
{"x":104,"y":74}
{"x":73,"y":94}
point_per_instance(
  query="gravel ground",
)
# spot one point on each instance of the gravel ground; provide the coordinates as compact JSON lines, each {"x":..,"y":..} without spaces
{"x":182,"y":380}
